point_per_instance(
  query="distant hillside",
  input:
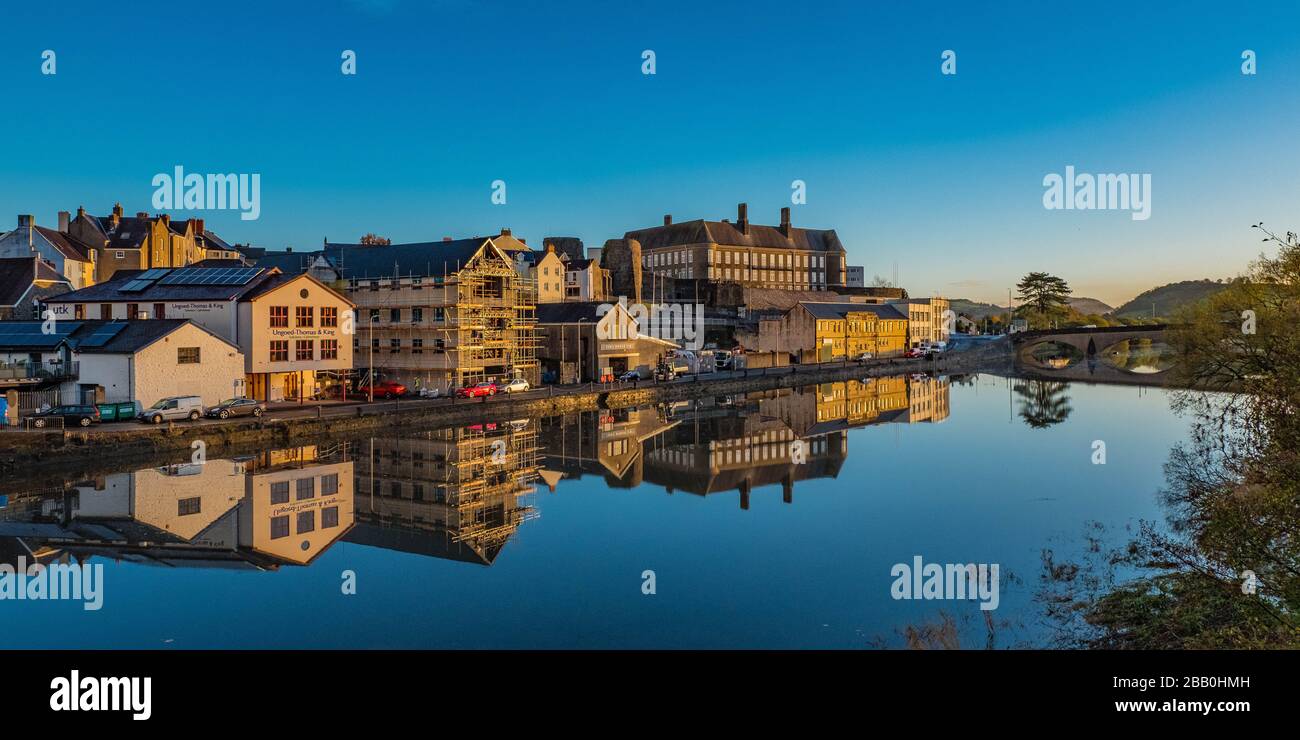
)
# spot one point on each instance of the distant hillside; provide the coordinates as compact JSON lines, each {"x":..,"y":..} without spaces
{"x":1168,"y":299}
{"x":975,"y":309}
{"x":1089,"y":306}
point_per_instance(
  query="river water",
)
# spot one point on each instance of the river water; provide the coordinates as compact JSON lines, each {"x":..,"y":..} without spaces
{"x":772,"y":520}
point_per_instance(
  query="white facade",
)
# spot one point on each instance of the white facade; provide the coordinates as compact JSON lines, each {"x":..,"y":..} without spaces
{"x":157,"y":371}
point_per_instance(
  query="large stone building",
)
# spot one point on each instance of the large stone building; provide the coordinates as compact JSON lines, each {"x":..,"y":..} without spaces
{"x":581,"y":342}
{"x":784,"y":256}
{"x":825,"y":332}
{"x":927,"y":320}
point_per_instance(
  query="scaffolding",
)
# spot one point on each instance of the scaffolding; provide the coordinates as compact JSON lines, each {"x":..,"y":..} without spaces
{"x":477,"y":321}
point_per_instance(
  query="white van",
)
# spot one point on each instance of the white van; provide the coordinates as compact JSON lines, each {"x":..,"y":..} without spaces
{"x":173,"y":408}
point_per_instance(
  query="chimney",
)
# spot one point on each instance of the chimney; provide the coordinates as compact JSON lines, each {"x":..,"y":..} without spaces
{"x":742,"y":218}
{"x":288,"y":250}
{"x":117,"y":210}
{"x":25,"y":221}
{"x":198,"y":227}
{"x":447,"y":239}
{"x":668,"y":220}
{"x":785,"y":220}
{"x":166,"y":219}
{"x":505,"y":231}
{"x":81,"y":211}
{"x":64,"y":218}
{"x":141,"y":215}
{"x":550,"y":248}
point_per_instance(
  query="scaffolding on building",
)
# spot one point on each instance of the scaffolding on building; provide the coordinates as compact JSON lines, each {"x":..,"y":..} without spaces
{"x":492,"y":332}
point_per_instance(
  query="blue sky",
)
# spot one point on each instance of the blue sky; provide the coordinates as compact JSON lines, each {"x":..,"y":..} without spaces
{"x":939,"y":174}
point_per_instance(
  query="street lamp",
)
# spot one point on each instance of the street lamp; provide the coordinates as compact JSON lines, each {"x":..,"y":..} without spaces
{"x":371,"y":384}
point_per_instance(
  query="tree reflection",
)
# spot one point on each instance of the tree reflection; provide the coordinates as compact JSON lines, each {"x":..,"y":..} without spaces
{"x":1043,"y":403}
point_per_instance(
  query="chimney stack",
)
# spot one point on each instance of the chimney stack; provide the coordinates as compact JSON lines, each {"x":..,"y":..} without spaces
{"x":25,"y":221}
{"x":142,"y":215}
{"x":505,"y":231}
{"x":117,"y":210}
{"x":166,"y":219}
{"x":742,"y":218}
{"x":668,"y":220}
{"x":199,"y":227}
{"x":785,"y":220}
{"x":64,"y":218}
{"x":447,"y":239}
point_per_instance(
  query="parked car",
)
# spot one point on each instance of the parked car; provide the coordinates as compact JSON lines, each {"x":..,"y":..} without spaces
{"x":630,"y":376}
{"x":429,"y":392}
{"x":383,"y":389}
{"x":474,"y":391}
{"x":173,"y":408}
{"x":71,"y":414}
{"x":236,"y":407}
{"x":914,"y":353}
{"x":518,"y":385}
{"x":863,"y":357}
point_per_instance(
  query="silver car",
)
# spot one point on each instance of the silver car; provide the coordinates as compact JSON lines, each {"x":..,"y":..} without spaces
{"x":173,"y":408}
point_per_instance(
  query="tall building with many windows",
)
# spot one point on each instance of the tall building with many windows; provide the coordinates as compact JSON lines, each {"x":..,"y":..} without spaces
{"x":784,"y":256}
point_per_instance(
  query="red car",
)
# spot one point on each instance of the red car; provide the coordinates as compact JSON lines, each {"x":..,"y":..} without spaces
{"x":383,"y":389}
{"x":913,"y":353}
{"x":474,"y":391}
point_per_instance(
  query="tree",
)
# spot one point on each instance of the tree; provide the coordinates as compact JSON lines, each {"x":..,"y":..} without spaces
{"x":881,"y":282}
{"x":1045,"y":292}
{"x":372,"y":240}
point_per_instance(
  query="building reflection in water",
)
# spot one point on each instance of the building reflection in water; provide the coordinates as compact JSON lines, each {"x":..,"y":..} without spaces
{"x":282,"y":507}
{"x":735,"y":443}
{"x":457,"y":493}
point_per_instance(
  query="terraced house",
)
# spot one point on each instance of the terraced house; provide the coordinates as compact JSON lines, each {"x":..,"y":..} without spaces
{"x":64,"y":253}
{"x":141,"y":242}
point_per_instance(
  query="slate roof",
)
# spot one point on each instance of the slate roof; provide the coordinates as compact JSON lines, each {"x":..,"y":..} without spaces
{"x":110,"y":291}
{"x":423,"y":259}
{"x":69,"y":245}
{"x":98,"y":336}
{"x":568,"y":313}
{"x":838,"y":310}
{"x":17,"y":274}
{"x":724,"y":233}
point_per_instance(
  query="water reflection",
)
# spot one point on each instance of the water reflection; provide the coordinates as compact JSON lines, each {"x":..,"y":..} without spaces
{"x":457,"y":494}
{"x":282,"y":507}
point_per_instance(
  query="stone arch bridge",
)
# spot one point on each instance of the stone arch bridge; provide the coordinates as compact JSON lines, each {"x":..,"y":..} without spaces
{"x":1093,"y":343}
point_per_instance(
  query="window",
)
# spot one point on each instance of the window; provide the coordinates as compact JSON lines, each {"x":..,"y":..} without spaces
{"x":133,"y":310}
{"x":329,"y":517}
{"x":280,"y":492}
{"x":394,"y":346}
{"x":306,"y":522}
{"x":279,"y":350}
{"x":279,"y":526}
{"x":329,"y":349}
{"x":417,"y":315}
{"x":304,"y":350}
{"x":105,"y":311}
{"x":329,"y":316}
{"x":374,"y":315}
{"x":279,"y":317}
{"x":306,"y":488}
{"x":187,"y":355}
{"x":79,"y":311}
{"x":374,"y":343}
{"x":119,"y":254}
{"x":395,"y":315}
{"x":329,"y":484}
{"x":187,"y":506}
{"x":160,"y":310}
{"x":417,"y":346}
{"x":305,"y":315}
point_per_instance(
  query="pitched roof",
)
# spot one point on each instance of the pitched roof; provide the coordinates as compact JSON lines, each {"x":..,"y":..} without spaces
{"x":423,"y":259}
{"x":92,"y":336}
{"x":17,"y":274}
{"x":700,"y":231}
{"x":70,"y":246}
{"x":112,"y":290}
{"x":839,"y":310}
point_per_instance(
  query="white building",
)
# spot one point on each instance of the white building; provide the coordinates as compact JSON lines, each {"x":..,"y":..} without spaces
{"x":119,"y":361}
{"x":291,"y":329}
{"x":856,"y":276}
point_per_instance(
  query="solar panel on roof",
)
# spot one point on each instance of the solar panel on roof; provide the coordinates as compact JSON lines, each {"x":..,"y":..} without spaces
{"x":211,"y":276}
{"x":33,"y":334}
{"x":101,"y":335}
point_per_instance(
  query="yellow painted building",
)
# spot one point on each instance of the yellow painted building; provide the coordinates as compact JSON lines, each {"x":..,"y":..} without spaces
{"x":847,"y":331}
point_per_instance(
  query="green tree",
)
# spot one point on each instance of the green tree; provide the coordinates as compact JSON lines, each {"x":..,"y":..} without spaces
{"x":1042,"y":296}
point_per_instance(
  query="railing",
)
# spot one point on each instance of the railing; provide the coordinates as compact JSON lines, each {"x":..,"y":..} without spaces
{"x":38,"y":371}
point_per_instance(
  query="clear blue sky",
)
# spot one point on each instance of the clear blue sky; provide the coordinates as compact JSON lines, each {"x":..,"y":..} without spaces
{"x":942,"y":175}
